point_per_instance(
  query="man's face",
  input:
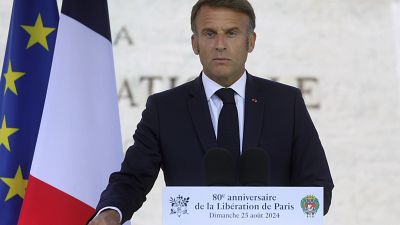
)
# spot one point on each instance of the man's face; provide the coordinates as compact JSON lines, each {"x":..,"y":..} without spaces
{"x":222,"y":43}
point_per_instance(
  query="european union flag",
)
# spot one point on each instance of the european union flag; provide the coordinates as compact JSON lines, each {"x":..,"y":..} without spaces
{"x":23,"y":86}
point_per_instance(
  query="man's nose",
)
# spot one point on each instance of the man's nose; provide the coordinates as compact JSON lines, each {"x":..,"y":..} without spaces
{"x":220,"y":44}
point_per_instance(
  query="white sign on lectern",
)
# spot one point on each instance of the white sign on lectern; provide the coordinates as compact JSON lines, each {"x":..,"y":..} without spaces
{"x":243,"y":205}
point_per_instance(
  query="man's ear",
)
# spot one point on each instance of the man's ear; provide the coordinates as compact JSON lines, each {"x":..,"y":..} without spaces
{"x":195,"y":44}
{"x":252,"y":42}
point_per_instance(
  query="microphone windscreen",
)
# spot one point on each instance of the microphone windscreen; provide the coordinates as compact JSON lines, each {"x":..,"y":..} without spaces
{"x":254,"y":168}
{"x":219,"y":167}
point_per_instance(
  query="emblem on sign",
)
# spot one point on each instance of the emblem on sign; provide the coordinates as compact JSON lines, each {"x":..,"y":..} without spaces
{"x":179,"y":205}
{"x":310,"y":205}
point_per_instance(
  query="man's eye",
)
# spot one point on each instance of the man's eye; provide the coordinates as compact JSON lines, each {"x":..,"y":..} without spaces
{"x":231,"y":34}
{"x":209,"y":34}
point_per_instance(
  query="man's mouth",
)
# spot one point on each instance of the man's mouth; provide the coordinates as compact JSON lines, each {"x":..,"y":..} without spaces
{"x":221,"y":60}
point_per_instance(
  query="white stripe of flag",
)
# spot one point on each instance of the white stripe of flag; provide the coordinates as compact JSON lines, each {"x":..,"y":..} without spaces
{"x":79,"y":142}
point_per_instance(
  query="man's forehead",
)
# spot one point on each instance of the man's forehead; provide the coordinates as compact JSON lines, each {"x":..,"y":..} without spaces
{"x":218,"y":16}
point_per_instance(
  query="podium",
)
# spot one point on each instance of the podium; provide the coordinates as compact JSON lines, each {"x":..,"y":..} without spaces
{"x":243,"y":205}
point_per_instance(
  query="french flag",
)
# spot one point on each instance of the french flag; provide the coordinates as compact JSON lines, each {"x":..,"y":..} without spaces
{"x":79,"y":141}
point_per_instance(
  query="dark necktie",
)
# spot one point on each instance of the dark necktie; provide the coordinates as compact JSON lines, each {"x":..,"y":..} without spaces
{"x":228,"y":124}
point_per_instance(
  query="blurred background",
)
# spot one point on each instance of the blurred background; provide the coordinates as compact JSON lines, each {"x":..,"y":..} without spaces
{"x":343,"y":54}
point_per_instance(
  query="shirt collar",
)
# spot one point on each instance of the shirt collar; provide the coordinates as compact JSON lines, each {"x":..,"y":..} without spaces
{"x":211,"y":86}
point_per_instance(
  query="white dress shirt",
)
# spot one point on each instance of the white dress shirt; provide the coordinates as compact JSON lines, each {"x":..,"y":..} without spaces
{"x":215,"y":103}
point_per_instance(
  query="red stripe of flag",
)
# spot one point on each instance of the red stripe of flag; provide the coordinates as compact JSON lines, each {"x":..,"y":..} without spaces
{"x":45,"y":201}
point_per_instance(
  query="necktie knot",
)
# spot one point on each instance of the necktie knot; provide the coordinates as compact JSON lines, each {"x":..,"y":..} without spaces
{"x":226,"y":95}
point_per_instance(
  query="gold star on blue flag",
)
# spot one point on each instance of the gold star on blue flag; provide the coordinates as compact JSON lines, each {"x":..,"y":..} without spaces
{"x":24,"y":78}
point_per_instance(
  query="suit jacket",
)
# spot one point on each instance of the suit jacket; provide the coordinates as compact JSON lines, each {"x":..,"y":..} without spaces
{"x":176,"y":131}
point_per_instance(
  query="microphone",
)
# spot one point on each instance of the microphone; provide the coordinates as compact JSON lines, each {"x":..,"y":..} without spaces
{"x":254,"y":168}
{"x":219,"y":167}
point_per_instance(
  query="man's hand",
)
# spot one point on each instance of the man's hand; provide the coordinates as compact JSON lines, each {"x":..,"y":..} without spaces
{"x":107,"y":217}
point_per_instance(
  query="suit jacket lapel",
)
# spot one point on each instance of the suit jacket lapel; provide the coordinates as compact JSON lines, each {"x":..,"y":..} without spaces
{"x":253,"y":114}
{"x":200,"y":113}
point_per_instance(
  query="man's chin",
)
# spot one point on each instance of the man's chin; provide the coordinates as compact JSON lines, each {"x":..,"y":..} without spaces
{"x":220,"y":73}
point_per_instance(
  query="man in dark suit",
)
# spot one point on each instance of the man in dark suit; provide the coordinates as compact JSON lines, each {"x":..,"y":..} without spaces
{"x":178,"y":126}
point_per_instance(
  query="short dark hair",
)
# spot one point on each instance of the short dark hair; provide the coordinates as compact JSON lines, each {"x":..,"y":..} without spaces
{"x":242,"y":6}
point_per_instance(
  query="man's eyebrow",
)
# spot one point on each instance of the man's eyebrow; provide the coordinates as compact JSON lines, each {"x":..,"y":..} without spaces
{"x":232,"y":29}
{"x":208,"y":29}
{"x":225,"y":30}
